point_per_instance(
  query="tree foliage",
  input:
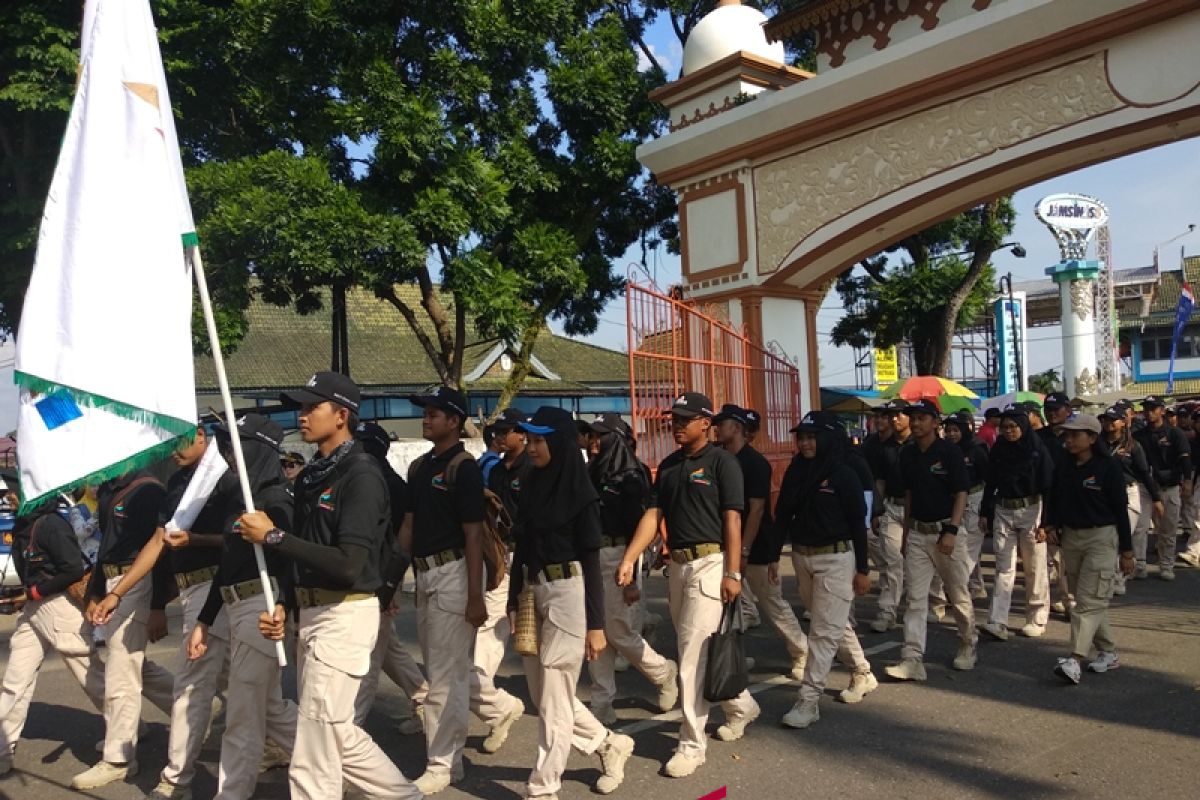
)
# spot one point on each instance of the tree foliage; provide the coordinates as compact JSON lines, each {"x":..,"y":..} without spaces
{"x":1045,"y":382}
{"x":943,"y":282}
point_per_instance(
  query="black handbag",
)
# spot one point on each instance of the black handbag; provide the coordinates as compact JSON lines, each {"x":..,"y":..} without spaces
{"x":726,"y":676}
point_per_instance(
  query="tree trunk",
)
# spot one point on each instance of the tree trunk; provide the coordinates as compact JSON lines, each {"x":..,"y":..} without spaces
{"x":522,"y":365}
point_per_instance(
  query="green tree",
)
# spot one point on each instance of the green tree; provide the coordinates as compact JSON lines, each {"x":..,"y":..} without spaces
{"x":1045,"y":382}
{"x":933,"y":292}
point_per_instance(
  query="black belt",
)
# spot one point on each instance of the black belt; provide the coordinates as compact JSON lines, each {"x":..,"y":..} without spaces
{"x":196,"y":577}
{"x":116,"y":570}
{"x":842,"y":546}
{"x":1016,"y":503}
{"x":426,"y":563}
{"x":613,"y":541}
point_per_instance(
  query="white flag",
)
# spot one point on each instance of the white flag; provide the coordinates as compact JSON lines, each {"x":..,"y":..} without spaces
{"x":104,"y":352}
{"x":204,"y":481}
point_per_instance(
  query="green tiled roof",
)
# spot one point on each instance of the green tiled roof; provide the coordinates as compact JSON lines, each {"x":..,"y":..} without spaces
{"x":282,"y":348}
{"x":1166,"y":297}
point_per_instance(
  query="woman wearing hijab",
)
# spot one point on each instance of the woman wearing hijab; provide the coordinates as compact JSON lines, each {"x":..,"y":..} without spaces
{"x":822,"y":511}
{"x":558,"y":538}
{"x":1139,"y":481}
{"x":1019,"y":473}
{"x":255,"y":708}
{"x":959,"y":430}
{"x":621,"y":484}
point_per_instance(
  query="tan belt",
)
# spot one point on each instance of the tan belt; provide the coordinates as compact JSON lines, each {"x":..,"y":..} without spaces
{"x":613,"y":541}
{"x":426,"y":563}
{"x":557,"y":572}
{"x":927,"y":527}
{"x":237,"y":592}
{"x":311,"y":598}
{"x":824,"y":550}
{"x":1016,"y":503}
{"x":116,"y":570}
{"x":683,"y":555}
{"x":185,"y":580}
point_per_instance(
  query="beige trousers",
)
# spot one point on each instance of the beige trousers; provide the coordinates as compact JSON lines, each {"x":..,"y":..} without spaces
{"x":488,"y":701}
{"x":827,"y":588}
{"x":333,"y":653}
{"x":695,"y":600}
{"x":1168,"y":527}
{"x":196,"y":684}
{"x":1016,"y":530}
{"x":1141,"y":530}
{"x":777,"y":610}
{"x":447,"y":640}
{"x":390,"y":658}
{"x":1089,"y":555}
{"x":563,"y":720}
{"x":254,"y":704}
{"x":891,"y":536}
{"x":622,"y":628}
{"x":127,"y":673}
{"x":922,"y":561}
{"x":44,"y":627}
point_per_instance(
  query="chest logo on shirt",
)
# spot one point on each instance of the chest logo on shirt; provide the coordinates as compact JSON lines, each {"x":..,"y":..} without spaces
{"x":825,"y":488}
{"x":515,"y":484}
{"x":699,"y":477}
{"x":325,"y":501}
{"x":439,"y":482}
{"x":937,"y":468}
{"x":1090,"y":482}
{"x":119,"y":511}
{"x":612,"y":488}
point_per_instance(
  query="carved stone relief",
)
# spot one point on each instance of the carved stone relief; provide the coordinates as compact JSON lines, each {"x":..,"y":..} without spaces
{"x":1082,"y":293}
{"x":1086,"y":385}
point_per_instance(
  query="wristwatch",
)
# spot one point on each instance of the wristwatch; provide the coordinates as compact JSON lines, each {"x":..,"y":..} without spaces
{"x":734,"y":576}
{"x":745,"y":552}
{"x":950,"y":528}
{"x":274,"y":537}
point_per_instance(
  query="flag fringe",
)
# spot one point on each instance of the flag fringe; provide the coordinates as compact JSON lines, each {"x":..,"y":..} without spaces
{"x":172,"y":425}
{"x":145,"y":458}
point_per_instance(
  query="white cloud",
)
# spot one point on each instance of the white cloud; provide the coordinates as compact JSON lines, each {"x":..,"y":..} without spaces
{"x":664,"y":60}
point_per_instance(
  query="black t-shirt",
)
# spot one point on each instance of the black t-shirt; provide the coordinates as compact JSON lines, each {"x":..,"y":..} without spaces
{"x":933,"y":477}
{"x":693,"y":493}
{"x":440,"y":509}
{"x":883,"y":458}
{"x":756,"y":474}
{"x":209,"y":520}
{"x":1168,"y":452}
{"x":506,"y":480}
{"x":45,"y":553}
{"x":837,"y":513}
{"x":351,"y":506}
{"x":126,"y":526}
{"x":237,"y":555}
{"x":622,"y":504}
{"x":975,"y":457}
{"x":1091,"y":495}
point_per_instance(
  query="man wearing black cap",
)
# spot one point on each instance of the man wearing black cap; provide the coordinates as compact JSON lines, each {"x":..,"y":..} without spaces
{"x":1057,"y":408}
{"x":887,"y":522}
{"x":389,"y":657}
{"x":698,"y":494}
{"x":759,"y":548}
{"x":342,"y":515}
{"x":1170,"y":458}
{"x":443,"y":531}
{"x":936,"y":484}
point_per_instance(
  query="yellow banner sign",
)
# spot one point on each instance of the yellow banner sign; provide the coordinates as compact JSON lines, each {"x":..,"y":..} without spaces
{"x":887,"y":368}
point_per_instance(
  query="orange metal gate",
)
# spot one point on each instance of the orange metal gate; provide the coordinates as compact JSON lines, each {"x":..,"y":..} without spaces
{"x":674,"y":347}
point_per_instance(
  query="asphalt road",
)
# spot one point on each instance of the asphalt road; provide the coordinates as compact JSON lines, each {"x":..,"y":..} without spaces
{"x":1009,"y":728}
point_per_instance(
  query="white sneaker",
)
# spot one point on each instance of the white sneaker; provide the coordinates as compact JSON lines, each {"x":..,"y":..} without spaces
{"x":910,"y":669}
{"x":1033,"y":630}
{"x":803,"y":714}
{"x":1140,"y":573}
{"x":1189,"y":558}
{"x":806,"y":616}
{"x":1058,"y":607}
{"x":103,"y":774}
{"x":1068,"y":670}
{"x":615,"y":751}
{"x":680,"y":765}
{"x":979,"y":593}
{"x":1167,"y":573}
{"x":434,"y":782}
{"x":169,"y":791}
{"x":732,"y":731}
{"x":884,"y":622}
{"x":995,"y":630}
{"x":604,"y":714}
{"x":966,"y":658}
{"x":936,"y":615}
{"x":498,"y":735}
{"x":620,"y":663}
{"x":668,"y":690}
{"x":273,"y":756}
{"x":1118,"y":586}
{"x":797,"y":673}
{"x":1104,"y":661}
{"x":861,"y":685}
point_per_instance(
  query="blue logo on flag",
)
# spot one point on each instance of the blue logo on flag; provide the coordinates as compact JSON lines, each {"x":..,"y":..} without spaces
{"x":57,"y":409}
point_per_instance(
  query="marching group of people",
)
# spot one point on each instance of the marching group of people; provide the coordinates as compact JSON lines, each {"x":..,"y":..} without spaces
{"x":534,"y":530}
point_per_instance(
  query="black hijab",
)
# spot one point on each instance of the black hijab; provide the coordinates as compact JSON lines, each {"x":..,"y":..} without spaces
{"x":615,"y":462}
{"x":555,"y":494}
{"x":805,"y":475}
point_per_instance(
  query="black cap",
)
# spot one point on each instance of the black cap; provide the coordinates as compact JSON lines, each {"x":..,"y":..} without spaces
{"x":255,"y":427}
{"x":962,"y":418}
{"x":1015,"y":410}
{"x":692,"y":404}
{"x":1112,"y":412}
{"x":332,"y":386}
{"x":1154,"y":401}
{"x":817,"y":421}
{"x":509,"y":419}
{"x":294,"y":458}
{"x":1123,"y":406}
{"x":1056,"y":400}
{"x":373,"y":433}
{"x":1030,"y":407}
{"x":733,"y":412}
{"x":610,"y":423}
{"x":923,"y":406}
{"x":753,"y":419}
{"x":442,"y":397}
{"x":893,"y":406}
{"x":1170,"y":412}
{"x":547,"y":420}
{"x":991,"y":412}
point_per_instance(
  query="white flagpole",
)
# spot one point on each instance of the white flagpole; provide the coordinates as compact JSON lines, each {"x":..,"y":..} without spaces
{"x":231,"y":421}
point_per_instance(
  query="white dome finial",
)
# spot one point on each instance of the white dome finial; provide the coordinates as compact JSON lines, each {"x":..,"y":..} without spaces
{"x":728,"y":29}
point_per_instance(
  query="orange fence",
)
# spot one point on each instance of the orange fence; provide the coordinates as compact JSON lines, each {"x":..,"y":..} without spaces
{"x":674,"y":347}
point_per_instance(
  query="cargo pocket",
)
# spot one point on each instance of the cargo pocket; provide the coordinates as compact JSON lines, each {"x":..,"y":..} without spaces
{"x":838,"y":587}
{"x":562,"y":637}
{"x":710,"y":580}
{"x":1104,"y":584}
{"x":452,"y":602}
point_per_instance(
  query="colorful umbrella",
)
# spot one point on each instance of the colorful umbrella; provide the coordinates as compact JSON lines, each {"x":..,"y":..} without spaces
{"x":952,"y":404}
{"x":927,"y":387}
{"x":1011,"y":398}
